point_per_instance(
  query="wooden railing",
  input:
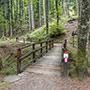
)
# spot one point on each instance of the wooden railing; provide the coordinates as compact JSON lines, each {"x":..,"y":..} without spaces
{"x":46,"y":45}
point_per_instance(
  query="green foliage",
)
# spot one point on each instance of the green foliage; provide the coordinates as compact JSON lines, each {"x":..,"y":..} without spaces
{"x":56,"y":30}
{"x":73,"y":54}
{"x":5,"y":40}
{"x":2,"y":20}
{"x":80,"y":70}
{"x":38,"y":34}
{"x":59,"y":10}
{"x":10,"y":70}
{"x":75,"y":42}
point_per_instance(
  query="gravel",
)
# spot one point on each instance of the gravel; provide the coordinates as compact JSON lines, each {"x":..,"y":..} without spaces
{"x":33,"y":81}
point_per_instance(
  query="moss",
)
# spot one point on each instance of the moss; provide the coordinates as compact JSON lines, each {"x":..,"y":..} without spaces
{"x":80,"y":70}
{"x":4,"y":85}
{"x":72,"y":54}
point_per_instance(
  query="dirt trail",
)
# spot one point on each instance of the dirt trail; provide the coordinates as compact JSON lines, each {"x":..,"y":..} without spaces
{"x":70,"y":28}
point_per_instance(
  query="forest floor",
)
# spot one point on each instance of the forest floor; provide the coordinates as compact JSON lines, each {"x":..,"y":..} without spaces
{"x":33,"y":81}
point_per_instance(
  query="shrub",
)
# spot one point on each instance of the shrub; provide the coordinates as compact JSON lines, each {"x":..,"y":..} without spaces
{"x":56,"y":30}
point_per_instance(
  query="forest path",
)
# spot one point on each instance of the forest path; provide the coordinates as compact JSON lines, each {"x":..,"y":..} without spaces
{"x":70,"y":27}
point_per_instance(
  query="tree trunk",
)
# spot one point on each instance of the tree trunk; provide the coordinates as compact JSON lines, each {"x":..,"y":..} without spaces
{"x":77,"y":2}
{"x":47,"y":25}
{"x":16,"y":11}
{"x":79,"y":7}
{"x":23,"y":16}
{"x":40,"y":19}
{"x":4,"y":18}
{"x":11,"y":32}
{"x":57,"y":12}
{"x":20,"y":16}
{"x":63,"y":9}
{"x":67,"y":8}
{"x":32,"y":15}
{"x":44,"y":12}
{"x":29,"y":12}
{"x":81,"y":67}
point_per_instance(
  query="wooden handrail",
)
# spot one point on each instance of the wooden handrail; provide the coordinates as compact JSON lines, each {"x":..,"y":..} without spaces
{"x":48,"y":45}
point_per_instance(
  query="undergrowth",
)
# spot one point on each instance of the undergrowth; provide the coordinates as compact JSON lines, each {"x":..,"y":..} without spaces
{"x":54,"y":31}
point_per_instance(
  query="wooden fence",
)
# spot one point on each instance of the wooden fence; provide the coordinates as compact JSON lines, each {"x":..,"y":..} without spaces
{"x":47,"y":45}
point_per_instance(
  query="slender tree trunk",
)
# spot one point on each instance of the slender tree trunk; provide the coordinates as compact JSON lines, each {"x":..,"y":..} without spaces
{"x":4,"y":18}
{"x":23,"y":16}
{"x":32,"y":15}
{"x":47,"y":25}
{"x":63,"y":7}
{"x":77,"y":2}
{"x":57,"y":12}
{"x":29,"y":12}
{"x":40,"y":19}
{"x":80,"y":7}
{"x":67,"y":8}
{"x":44,"y":12}
{"x":20,"y":17}
{"x":11,"y":32}
{"x":3,"y":22}
{"x":12,"y":14}
{"x":16,"y":11}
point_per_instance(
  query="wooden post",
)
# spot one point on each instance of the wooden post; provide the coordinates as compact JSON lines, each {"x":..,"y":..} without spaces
{"x":65,"y":68}
{"x":41,"y":48}
{"x":33,"y":47}
{"x":73,"y":37}
{"x":65,"y":43}
{"x":49,"y":44}
{"x":18,"y":61}
{"x":16,"y":39}
{"x":52,"y":44}
{"x":46,"y":46}
{"x":64,"y":65}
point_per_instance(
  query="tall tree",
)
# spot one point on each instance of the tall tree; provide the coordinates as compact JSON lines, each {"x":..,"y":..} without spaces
{"x":24,"y":15}
{"x":11,"y":30}
{"x":40,"y":19}
{"x":32,"y":14}
{"x":67,"y":8}
{"x":44,"y":12}
{"x":47,"y":25}
{"x":81,"y":67}
{"x":29,"y":12}
{"x":57,"y":13}
{"x":63,"y":7}
{"x":20,"y":12}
